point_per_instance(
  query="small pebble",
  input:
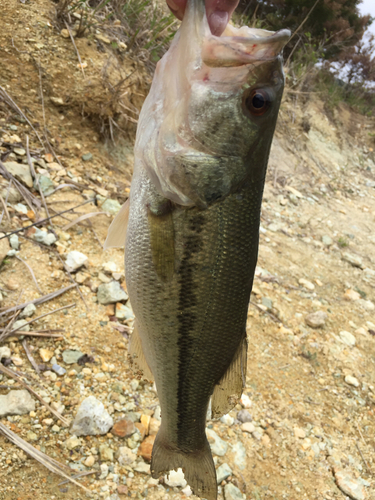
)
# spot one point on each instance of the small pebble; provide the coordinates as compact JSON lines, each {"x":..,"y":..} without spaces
{"x":245,"y":401}
{"x":248,"y":427}
{"x":244,"y":416}
{"x":307,"y":284}
{"x":58,"y":369}
{"x":348,"y":338}
{"x":299,"y":433}
{"x":45,"y":354}
{"x":316,"y":319}
{"x":352,"y":381}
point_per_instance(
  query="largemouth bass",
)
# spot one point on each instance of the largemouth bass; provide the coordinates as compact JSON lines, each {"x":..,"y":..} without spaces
{"x":191,"y":228}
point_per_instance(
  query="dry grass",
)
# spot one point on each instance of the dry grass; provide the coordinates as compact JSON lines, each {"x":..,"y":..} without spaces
{"x":140,"y":32}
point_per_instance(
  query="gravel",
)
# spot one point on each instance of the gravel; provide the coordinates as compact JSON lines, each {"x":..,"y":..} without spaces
{"x":91,"y":419}
{"x":16,"y":403}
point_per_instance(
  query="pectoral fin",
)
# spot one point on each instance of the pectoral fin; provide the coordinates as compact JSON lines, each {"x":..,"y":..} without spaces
{"x":137,"y":357}
{"x":162,"y":244}
{"x":117,"y":230}
{"x":229,"y":389}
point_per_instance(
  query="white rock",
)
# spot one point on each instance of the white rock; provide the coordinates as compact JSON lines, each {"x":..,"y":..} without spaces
{"x":111,"y":206}
{"x":316,"y":319}
{"x":75,"y":260}
{"x":28,"y":311}
{"x":123,"y":311}
{"x":14,"y":243}
{"x":245,"y":401}
{"x":90,"y":460}
{"x":248,"y":427}
{"x":300,"y":433}
{"x":104,"y":471}
{"x":348,"y":338}
{"x":187,"y":491}
{"x":366,"y":304}
{"x":231,"y":492}
{"x":143,"y":468}
{"x":109,"y":293}
{"x":352,"y":381}
{"x":227,"y":420}
{"x":20,"y":323}
{"x":44,"y":237}
{"x":175,"y":479}
{"x":126,"y":457}
{"x":110,"y":267}
{"x":4,"y":352}
{"x":240,"y":456}
{"x":307,"y":284}
{"x":16,"y":403}
{"x":20,"y":171}
{"x":354,"y":260}
{"x":223,"y":472}
{"x":218,"y":446}
{"x":16,"y":360}
{"x":72,"y":442}
{"x":21,"y":208}
{"x":91,"y":419}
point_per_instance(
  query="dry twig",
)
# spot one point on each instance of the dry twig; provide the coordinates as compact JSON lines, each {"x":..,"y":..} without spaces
{"x":46,"y":219}
{"x":9,"y":333}
{"x":82,"y":218}
{"x":42,"y":333}
{"x":6,"y":97}
{"x":31,"y":272}
{"x":15,"y":376}
{"x":51,"y":464}
{"x":5,"y":209}
{"x":38,"y":301}
{"x":75,"y":46}
{"x":33,"y":363}
{"x":29,"y":198}
{"x":363,"y":458}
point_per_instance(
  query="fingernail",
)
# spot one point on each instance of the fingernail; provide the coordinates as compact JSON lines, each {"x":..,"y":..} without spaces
{"x":218,"y":21}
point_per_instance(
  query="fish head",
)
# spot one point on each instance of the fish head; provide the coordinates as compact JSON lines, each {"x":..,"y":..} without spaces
{"x":212,"y":110}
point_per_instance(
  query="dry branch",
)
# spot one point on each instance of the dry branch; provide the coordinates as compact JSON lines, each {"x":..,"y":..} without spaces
{"x":15,"y":376}
{"x":48,"y":462}
{"x":11,"y":332}
{"x":46,"y":219}
{"x":38,"y":301}
{"x":31,"y":272}
{"x":6,"y":97}
{"x":30,"y":357}
{"x":82,"y":218}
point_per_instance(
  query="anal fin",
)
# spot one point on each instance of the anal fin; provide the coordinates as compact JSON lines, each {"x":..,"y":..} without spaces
{"x":137,"y":357}
{"x":229,"y":389}
{"x":117,"y":230}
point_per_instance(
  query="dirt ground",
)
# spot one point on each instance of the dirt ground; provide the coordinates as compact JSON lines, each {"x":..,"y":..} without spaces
{"x":310,"y":391}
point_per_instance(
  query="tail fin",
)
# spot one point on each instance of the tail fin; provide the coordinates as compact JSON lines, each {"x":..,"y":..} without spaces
{"x":198,"y":467}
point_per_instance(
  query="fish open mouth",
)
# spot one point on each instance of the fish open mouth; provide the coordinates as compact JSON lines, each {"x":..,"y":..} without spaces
{"x":241,"y":46}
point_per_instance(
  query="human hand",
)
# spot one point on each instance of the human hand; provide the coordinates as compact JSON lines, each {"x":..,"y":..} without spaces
{"x":218,"y":12}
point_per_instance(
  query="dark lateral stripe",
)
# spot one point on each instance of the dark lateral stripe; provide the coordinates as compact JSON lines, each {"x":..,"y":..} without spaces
{"x":187,"y":302}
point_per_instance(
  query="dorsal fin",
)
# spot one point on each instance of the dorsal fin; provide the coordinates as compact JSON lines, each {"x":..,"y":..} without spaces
{"x":117,"y":230}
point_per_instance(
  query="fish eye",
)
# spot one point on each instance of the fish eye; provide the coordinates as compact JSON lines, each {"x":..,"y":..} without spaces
{"x":257,"y":101}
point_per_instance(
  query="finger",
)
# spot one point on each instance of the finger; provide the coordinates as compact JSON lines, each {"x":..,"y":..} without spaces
{"x":177,"y":7}
{"x":218,"y":14}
